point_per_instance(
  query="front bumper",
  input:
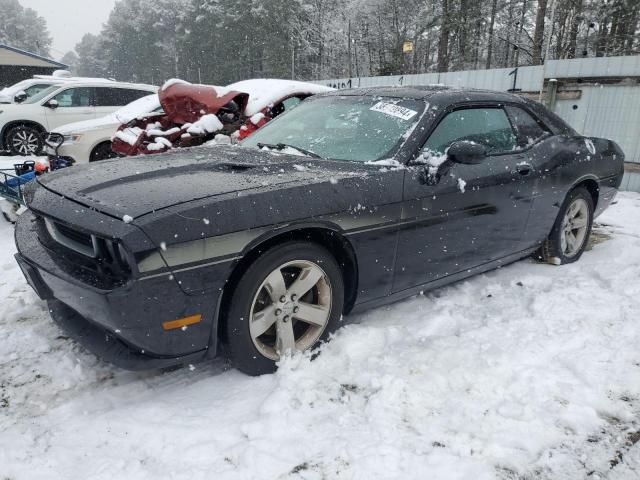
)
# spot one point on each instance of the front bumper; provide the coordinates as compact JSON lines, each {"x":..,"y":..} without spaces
{"x":122,"y":324}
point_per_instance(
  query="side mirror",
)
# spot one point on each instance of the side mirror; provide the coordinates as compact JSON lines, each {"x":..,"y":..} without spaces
{"x":467,"y":152}
{"x":20,"y":97}
{"x":52,"y":104}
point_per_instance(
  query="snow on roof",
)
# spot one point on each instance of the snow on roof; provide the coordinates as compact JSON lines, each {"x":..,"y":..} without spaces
{"x":266,"y":91}
{"x":139,"y":108}
{"x":63,"y":79}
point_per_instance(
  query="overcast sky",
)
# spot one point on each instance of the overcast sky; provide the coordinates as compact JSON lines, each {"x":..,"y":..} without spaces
{"x":69,"y":20}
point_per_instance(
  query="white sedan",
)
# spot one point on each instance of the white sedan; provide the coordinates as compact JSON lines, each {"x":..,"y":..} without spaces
{"x":90,"y":140}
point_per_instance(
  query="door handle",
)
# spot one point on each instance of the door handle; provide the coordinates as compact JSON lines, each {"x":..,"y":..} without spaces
{"x":524,"y":169}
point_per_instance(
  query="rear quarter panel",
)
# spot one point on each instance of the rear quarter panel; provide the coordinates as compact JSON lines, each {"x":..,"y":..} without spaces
{"x":561,"y":163}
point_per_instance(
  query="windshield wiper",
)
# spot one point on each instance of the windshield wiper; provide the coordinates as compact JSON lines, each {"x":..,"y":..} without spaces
{"x":282,"y":146}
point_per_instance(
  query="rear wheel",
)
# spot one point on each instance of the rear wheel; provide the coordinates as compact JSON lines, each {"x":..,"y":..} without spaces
{"x":24,"y":140}
{"x":570,"y":234}
{"x":289,"y":299}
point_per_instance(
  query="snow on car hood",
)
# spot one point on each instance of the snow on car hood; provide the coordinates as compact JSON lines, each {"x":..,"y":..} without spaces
{"x":139,"y":108}
{"x":266,"y":91}
{"x":134,"y":186}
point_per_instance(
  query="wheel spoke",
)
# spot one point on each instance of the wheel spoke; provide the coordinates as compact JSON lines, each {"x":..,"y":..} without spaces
{"x":312,"y":314}
{"x":572,"y":209}
{"x":275,"y":286}
{"x":262,"y":321}
{"x":307,"y":279}
{"x":579,"y":222}
{"x":286,"y":340}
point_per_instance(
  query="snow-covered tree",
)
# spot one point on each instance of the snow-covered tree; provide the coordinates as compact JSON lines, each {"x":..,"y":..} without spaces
{"x":221,"y":41}
{"x":23,"y":28}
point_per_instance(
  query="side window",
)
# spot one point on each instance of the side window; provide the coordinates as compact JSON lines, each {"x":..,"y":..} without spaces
{"x":529,"y":130}
{"x":117,"y":97}
{"x":291,"y":102}
{"x":487,"y":126}
{"x":74,"y":97}
{"x":284,"y":106}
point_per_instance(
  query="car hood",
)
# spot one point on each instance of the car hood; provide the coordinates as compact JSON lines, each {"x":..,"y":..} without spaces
{"x":108,"y":122}
{"x":131,"y":187}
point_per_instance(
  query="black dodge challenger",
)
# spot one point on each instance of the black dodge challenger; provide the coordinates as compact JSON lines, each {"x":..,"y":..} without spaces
{"x":349,"y":201}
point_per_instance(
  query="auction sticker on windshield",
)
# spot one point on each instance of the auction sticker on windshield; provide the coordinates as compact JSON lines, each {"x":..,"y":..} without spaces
{"x":394,"y":110}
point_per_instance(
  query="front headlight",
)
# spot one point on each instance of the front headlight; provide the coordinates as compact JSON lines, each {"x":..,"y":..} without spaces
{"x":68,"y":139}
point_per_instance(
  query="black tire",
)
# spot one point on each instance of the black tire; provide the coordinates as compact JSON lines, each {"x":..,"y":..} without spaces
{"x":551,"y":250}
{"x":235,"y":333}
{"x":24,"y":140}
{"x":102,"y":152}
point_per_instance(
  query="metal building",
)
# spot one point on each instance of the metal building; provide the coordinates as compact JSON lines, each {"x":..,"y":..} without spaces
{"x":17,"y":65}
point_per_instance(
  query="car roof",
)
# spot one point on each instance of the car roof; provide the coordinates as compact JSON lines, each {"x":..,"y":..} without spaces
{"x":444,"y":95}
{"x":135,"y":86}
{"x":440,"y":92}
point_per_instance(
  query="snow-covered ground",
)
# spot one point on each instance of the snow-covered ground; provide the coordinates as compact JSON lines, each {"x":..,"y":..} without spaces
{"x":531,"y":371}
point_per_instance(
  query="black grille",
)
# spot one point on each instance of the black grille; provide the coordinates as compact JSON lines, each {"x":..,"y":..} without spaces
{"x":75,"y":235}
{"x":101,"y":257}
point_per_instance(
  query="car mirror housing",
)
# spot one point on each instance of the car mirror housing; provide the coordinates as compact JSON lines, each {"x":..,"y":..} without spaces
{"x":53,"y":104}
{"x":467,"y":152}
{"x":20,"y":97}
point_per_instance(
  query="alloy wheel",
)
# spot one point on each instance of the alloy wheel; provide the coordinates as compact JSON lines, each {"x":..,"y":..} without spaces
{"x":291,"y":309}
{"x":574,"y":227}
{"x":25,"y":142}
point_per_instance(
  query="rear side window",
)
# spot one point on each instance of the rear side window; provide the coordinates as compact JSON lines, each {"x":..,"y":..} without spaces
{"x":487,"y":126}
{"x":117,"y":97}
{"x":74,"y":97}
{"x":529,"y":129}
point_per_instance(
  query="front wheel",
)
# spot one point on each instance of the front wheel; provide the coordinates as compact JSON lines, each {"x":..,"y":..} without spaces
{"x":102,"y":152}
{"x":24,"y":140}
{"x":290,"y":299}
{"x":570,"y":234}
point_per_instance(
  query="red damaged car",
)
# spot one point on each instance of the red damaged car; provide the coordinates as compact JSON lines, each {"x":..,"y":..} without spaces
{"x":194,"y":114}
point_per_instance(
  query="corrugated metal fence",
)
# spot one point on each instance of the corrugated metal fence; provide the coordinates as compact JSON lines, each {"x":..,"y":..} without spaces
{"x":598,"y":97}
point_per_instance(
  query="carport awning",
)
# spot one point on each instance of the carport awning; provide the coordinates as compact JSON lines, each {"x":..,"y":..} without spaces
{"x":11,"y":56}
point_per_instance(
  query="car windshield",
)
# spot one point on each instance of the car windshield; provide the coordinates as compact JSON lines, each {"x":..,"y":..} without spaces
{"x":342,"y":127}
{"x":41,"y":94}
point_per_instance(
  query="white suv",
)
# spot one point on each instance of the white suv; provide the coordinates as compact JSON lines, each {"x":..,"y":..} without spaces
{"x":24,"y":89}
{"x":22,"y":126}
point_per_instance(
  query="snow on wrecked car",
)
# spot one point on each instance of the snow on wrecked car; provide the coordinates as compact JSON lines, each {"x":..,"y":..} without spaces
{"x":195,"y":114}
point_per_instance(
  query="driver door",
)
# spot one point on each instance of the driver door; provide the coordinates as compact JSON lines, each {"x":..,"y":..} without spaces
{"x":74,"y":104}
{"x":466,"y":215}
